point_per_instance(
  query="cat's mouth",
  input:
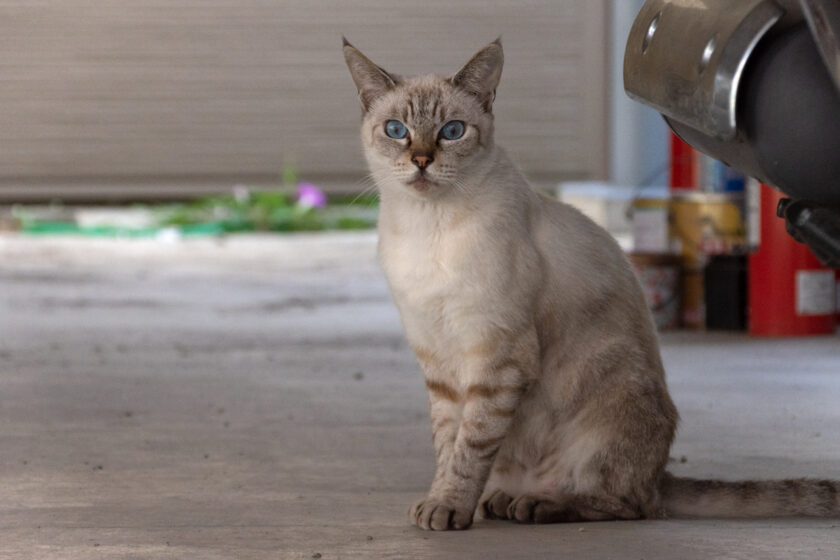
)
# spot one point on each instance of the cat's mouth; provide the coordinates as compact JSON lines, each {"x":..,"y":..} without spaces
{"x":421,"y":181}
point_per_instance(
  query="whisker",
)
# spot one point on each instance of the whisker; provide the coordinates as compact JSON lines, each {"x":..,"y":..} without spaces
{"x":461,"y":186}
{"x":370,"y":188}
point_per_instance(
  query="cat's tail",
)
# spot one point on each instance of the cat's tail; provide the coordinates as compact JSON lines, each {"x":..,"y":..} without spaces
{"x":802,"y":497}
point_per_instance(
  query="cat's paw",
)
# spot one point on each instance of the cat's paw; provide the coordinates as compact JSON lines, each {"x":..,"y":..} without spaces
{"x":534,"y":509}
{"x":438,"y":515}
{"x":495,"y":506}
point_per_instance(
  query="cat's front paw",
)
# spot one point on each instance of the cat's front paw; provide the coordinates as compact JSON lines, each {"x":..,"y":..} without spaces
{"x":439,"y":515}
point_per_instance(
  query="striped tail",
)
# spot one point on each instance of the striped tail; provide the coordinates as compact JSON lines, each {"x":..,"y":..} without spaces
{"x":802,"y":497}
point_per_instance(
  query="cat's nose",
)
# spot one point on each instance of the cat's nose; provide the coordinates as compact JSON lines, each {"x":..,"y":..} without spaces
{"x":422,"y":161}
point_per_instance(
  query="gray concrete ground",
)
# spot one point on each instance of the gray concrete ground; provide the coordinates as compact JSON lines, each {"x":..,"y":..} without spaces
{"x":254,"y":398}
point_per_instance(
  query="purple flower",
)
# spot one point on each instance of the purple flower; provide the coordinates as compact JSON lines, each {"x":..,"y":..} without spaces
{"x":310,"y":196}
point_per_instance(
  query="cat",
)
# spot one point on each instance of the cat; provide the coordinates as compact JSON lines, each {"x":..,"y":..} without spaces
{"x":547,"y":391}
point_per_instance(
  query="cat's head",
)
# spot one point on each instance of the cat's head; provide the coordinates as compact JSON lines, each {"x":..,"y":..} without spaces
{"x":425,"y":135}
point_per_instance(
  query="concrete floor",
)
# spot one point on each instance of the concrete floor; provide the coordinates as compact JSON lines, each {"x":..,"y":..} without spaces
{"x":254,"y":398}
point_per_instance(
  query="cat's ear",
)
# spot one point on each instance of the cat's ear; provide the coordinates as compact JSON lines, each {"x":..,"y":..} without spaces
{"x":480,"y":76}
{"x":371,"y":80}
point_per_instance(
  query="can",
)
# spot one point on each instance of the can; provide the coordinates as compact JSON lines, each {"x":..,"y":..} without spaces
{"x":650,"y":225}
{"x":725,"y":291}
{"x":703,"y":224}
{"x":659,"y":275}
{"x":693,"y":297}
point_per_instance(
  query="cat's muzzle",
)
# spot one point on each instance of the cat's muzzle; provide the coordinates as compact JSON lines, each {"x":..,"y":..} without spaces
{"x":421,"y":182}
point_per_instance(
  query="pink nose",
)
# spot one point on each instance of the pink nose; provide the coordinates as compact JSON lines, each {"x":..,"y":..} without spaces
{"x":422,"y":161}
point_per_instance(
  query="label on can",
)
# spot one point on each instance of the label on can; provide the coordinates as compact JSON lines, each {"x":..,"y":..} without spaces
{"x":815,"y":292}
{"x":650,"y":229}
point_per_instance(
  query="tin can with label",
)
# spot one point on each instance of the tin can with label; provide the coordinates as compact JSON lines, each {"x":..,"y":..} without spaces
{"x":659,"y":275}
{"x":703,"y":224}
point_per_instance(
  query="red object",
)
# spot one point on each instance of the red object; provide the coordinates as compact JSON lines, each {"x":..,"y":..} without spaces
{"x":684,"y":164}
{"x":787,"y":284}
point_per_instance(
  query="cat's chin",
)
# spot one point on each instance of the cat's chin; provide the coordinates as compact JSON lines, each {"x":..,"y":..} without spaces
{"x":421,"y":183}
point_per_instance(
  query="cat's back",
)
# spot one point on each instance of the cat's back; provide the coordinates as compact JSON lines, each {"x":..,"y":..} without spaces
{"x":576,"y":245}
{"x":590,"y":285}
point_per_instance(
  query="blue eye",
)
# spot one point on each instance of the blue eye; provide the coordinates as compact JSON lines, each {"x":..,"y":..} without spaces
{"x":395,"y":129}
{"x":452,"y":130}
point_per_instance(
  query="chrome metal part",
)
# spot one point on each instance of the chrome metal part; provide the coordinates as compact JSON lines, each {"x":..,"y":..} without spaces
{"x":685,"y":58}
{"x":823,"y":17}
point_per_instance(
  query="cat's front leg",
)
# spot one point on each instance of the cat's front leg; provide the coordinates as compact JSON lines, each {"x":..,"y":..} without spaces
{"x":445,"y":406}
{"x":497,"y":374}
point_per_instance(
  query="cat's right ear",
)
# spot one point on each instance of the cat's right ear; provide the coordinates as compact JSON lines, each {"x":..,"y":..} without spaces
{"x":371,"y":80}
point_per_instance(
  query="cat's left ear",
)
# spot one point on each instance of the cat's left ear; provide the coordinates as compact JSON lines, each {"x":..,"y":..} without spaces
{"x":480,"y":76}
{"x":371,"y":80}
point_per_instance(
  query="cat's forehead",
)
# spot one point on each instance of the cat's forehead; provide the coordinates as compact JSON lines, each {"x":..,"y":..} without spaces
{"x":428,"y":98}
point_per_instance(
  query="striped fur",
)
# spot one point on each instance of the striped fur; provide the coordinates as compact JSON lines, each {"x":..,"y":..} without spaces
{"x":686,"y":497}
{"x":547,"y":393}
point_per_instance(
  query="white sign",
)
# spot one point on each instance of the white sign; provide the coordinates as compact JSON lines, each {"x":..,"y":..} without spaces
{"x":815,"y":292}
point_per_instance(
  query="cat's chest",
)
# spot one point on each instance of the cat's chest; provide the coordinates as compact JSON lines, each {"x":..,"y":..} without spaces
{"x":420,"y":271}
{"x":437,"y":285}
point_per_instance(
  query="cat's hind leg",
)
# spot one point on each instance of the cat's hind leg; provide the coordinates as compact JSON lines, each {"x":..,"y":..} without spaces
{"x":495,"y":506}
{"x":530,"y":508}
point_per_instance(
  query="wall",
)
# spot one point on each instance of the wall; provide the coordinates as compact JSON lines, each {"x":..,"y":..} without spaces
{"x":639,"y":155}
{"x":154,"y":97}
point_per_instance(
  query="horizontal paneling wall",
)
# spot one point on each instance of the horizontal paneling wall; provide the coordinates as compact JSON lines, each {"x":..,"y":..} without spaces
{"x":103,"y":93}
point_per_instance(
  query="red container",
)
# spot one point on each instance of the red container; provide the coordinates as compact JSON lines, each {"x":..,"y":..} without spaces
{"x":790,"y":292}
{"x":684,"y":165}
